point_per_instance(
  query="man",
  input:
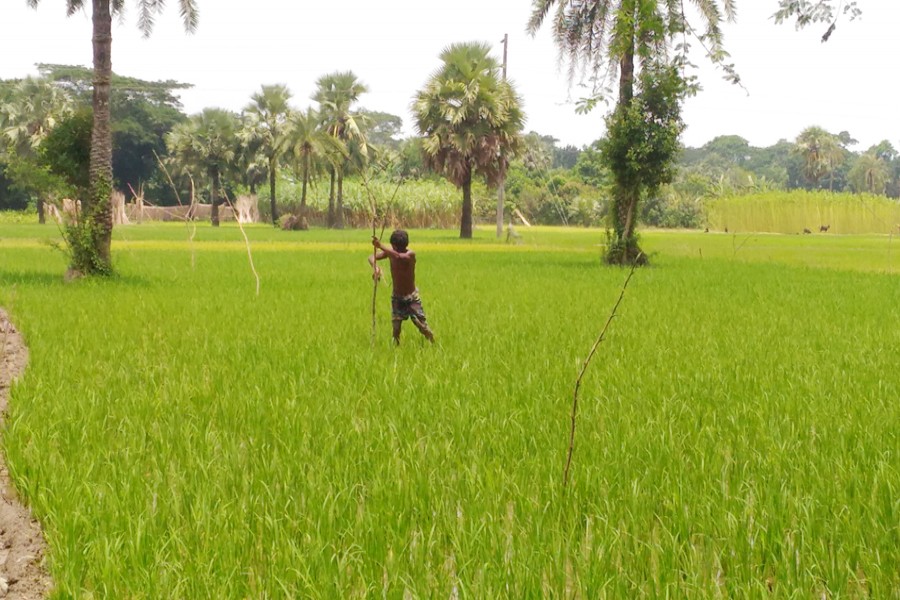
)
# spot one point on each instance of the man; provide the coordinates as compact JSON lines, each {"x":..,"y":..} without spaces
{"x":405,"y":301}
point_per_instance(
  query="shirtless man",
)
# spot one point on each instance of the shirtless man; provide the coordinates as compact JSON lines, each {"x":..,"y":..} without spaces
{"x":405,"y":301}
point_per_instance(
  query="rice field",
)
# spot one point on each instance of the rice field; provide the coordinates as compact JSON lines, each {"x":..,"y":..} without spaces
{"x":181,"y":437}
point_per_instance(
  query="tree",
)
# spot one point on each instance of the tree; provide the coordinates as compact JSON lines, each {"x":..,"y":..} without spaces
{"x":807,"y":12}
{"x":870,"y":173}
{"x":66,"y":151}
{"x":271,"y":108}
{"x":27,"y":115}
{"x":336,"y":94}
{"x":536,"y":153}
{"x":97,"y":208}
{"x":629,"y":37}
{"x":249,"y":161}
{"x":821,"y":152}
{"x":383,"y":129}
{"x":31,"y":111}
{"x":141,"y":113}
{"x":313,"y":148}
{"x":471,"y":121}
{"x":207,"y":141}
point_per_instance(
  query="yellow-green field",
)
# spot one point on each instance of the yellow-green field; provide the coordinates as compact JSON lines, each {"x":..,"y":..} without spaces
{"x":181,"y":437}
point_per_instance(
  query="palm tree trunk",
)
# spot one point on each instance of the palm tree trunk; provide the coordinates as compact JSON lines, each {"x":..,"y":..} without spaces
{"x":214,"y":197}
{"x":42,"y":219}
{"x":98,"y":206}
{"x":626,"y":76}
{"x":331,"y":199}
{"x":272,"y":174}
{"x":303,"y":188}
{"x":339,"y":206}
{"x":465,"y":226}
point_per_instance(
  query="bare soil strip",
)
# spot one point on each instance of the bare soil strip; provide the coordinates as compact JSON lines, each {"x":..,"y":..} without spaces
{"x":22,"y":572}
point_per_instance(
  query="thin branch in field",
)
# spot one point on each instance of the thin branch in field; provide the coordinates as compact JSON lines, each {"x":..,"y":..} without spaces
{"x":735,"y":250}
{"x":190,"y":219}
{"x":587,"y":362}
{"x":180,"y":203}
{"x":246,"y":239}
{"x":373,"y":206}
{"x":890,"y":241}
{"x":169,"y":177}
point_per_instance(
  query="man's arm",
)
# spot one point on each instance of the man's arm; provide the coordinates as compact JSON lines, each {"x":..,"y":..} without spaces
{"x":388,"y":251}
{"x":376,"y":270}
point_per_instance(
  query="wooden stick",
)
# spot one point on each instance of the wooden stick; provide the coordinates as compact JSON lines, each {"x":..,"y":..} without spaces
{"x":587,"y":362}
{"x":246,"y":239}
{"x":373,"y":205}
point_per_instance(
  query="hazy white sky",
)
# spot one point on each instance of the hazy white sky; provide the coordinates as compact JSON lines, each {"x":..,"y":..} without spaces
{"x":793,"y":80}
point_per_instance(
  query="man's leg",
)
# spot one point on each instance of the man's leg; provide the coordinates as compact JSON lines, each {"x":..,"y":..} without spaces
{"x":396,"y":323}
{"x":422,"y":326}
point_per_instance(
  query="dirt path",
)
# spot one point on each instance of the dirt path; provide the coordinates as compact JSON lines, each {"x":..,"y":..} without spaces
{"x":22,"y":572}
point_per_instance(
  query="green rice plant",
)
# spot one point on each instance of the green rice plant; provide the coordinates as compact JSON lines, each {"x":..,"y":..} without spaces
{"x":180,"y":437}
{"x":796,"y":211}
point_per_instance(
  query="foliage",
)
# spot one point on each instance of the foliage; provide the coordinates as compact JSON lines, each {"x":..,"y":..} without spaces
{"x":313,"y":149}
{"x":470,"y":120}
{"x":66,"y":151}
{"x":640,"y":150}
{"x":383,"y":129}
{"x":142,"y":113}
{"x":29,"y":112}
{"x":425,"y":203}
{"x":821,"y":152}
{"x":206,"y":142}
{"x":270,"y":114}
{"x":337,"y":93}
{"x":870,"y":173}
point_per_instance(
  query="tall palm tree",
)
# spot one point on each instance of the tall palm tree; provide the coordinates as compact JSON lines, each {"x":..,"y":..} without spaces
{"x":97,"y":208}
{"x":206,"y":141}
{"x":250,"y":162}
{"x":34,"y":107}
{"x":336,"y":94}
{"x":471,"y":120}
{"x":622,"y":37}
{"x":31,"y":110}
{"x":870,"y":173}
{"x":821,"y":152}
{"x":313,"y":148}
{"x":270,"y":106}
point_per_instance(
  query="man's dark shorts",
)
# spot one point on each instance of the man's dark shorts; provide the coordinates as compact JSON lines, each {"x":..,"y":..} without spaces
{"x":406,"y":307}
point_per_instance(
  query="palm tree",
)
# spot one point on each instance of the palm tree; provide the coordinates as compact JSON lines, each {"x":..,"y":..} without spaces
{"x":336,"y":94}
{"x":270,"y":106}
{"x":870,"y":173}
{"x":206,"y":141}
{"x":32,"y":109}
{"x":471,"y":121}
{"x":250,"y":162}
{"x":821,"y":154}
{"x":313,"y":148}
{"x":97,"y":209}
{"x":627,"y":37}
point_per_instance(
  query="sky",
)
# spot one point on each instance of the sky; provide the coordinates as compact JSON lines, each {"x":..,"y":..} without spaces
{"x":791,"y":79}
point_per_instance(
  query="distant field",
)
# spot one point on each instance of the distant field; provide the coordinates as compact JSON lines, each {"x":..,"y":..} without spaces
{"x":796,"y":211}
{"x":180,"y":437}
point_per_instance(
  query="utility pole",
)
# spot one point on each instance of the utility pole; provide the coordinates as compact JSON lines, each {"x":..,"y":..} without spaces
{"x":501,"y":192}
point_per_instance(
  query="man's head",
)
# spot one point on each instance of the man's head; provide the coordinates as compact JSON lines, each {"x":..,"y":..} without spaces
{"x":399,"y":240}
